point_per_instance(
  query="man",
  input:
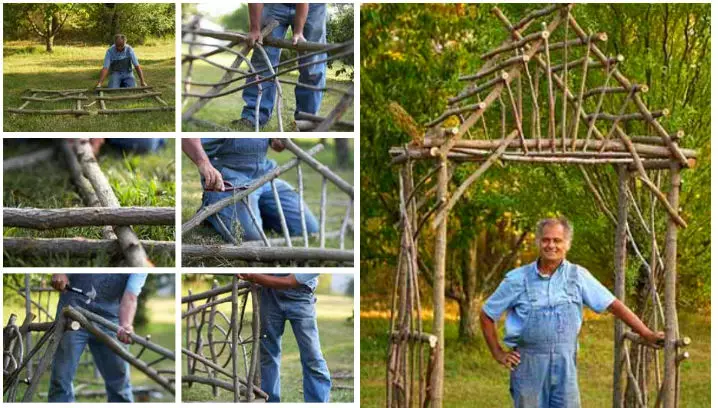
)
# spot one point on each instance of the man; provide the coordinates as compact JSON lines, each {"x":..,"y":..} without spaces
{"x":544,"y":302}
{"x":116,"y":300}
{"x":290,"y":297}
{"x":119,"y":60}
{"x":135,"y":145}
{"x":308,"y":22}
{"x":228,"y":165}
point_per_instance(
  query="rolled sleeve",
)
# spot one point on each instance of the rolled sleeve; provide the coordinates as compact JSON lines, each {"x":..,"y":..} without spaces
{"x":108,"y":60}
{"x":595,"y":295}
{"x":135,"y":283}
{"x":502,"y":299}
{"x":304,"y":278}
{"x":135,"y":62}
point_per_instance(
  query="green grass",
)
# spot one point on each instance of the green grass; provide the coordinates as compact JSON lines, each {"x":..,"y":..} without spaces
{"x":161,"y":326}
{"x":26,"y":65}
{"x":225,"y":109}
{"x":192,"y":199}
{"x":146,"y":180}
{"x":337,"y":341}
{"x":472,"y":374}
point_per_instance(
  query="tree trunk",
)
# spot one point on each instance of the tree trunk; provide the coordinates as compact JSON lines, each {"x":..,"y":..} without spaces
{"x":468,"y":325}
{"x":341,"y":150}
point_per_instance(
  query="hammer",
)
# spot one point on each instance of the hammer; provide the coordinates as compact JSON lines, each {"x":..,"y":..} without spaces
{"x":89,"y":295}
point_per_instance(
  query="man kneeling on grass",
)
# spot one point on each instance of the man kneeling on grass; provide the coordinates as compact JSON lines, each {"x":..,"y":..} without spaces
{"x":119,"y":60}
{"x":283,"y":297}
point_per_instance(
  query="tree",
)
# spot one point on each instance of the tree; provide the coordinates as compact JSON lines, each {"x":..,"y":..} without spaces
{"x":341,"y":153}
{"x":46,"y":19}
{"x":238,"y":20}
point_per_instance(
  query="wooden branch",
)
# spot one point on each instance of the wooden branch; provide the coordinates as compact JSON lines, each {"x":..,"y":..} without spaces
{"x":27,"y":160}
{"x":136,"y":88}
{"x":427,"y":338}
{"x":40,"y":218}
{"x":77,"y":246}
{"x":275,"y":42}
{"x":58,"y":99}
{"x":516,"y":44}
{"x":214,"y":208}
{"x":136,"y":110}
{"x":344,"y":103}
{"x":339,"y":124}
{"x":265,"y":254}
{"x":590,"y":64}
{"x":319,"y":167}
{"x":627,"y":116}
{"x":131,"y":246}
{"x":636,"y":338}
{"x":126,"y":97}
{"x":615,"y":90}
{"x":474,"y":89}
{"x":49,"y":111}
{"x":521,"y":59}
{"x":602,"y":37}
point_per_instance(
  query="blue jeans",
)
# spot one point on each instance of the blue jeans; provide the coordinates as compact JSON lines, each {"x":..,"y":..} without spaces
{"x":265,"y":210}
{"x":115,"y":371}
{"x":276,"y":307}
{"x":307,"y":100}
{"x":121,"y":80}
{"x":138,"y":145}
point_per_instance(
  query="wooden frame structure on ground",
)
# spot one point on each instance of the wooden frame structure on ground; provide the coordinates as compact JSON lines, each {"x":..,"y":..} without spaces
{"x":20,"y":368}
{"x":209,"y":333}
{"x":282,"y":250}
{"x":103,"y":209}
{"x":77,"y":96}
{"x":542,"y":97}
{"x":235,"y":45}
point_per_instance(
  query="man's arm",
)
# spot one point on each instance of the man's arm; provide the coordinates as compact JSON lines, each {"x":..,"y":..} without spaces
{"x":270,"y":281}
{"x":128,"y":308}
{"x":59,"y":281}
{"x":622,"y":312}
{"x":509,"y":359}
{"x":212,"y":177}
{"x":141,"y":75}
{"x":103,"y":75}
{"x":300,"y":18}
{"x":255,"y":24}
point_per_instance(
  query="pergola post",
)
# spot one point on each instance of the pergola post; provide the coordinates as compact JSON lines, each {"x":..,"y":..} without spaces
{"x":619,"y":286}
{"x":671,"y":329}
{"x":437,"y":376}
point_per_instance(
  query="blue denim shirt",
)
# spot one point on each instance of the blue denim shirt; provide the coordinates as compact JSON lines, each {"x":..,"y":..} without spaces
{"x":113,"y":55}
{"x":511,"y":296}
{"x":240,"y":160}
{"x":305,"y":291}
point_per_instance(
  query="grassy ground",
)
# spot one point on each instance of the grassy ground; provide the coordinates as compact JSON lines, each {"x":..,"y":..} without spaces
{"x":337,"y":340}
{"x":26,"y":65}
{"x":225,"y":109}
{"x":472,"y":374}
{"x":161,"y":326}
{"x":137,"y":180}
{"x":192,"y":199}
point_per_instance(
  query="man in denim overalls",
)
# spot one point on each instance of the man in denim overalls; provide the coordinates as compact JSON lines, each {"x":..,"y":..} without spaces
{"x":544,"y":302}
{"x":119,"y":60}
{"x":283,"y":297}
{"x":116,"y":301}
{"x":228,"y":165}
{"x":308,"y":22}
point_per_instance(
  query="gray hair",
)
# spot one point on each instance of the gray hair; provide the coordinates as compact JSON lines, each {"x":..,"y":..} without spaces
{"x":120,"y":36}
{"x":562,"y":221}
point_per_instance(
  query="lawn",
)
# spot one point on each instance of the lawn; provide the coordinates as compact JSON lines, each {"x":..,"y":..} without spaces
{"x":472,"y":374}
{"x":337,"y":341}
{"x":26,"y":65}
{"x":161,"y":326}
{"x":336,"y":199}
{"x":224,"y":110}
{"x":137,"y":180}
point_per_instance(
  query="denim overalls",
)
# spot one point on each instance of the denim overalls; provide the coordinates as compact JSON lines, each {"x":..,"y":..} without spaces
{"x":138,"y":145}
{"x":547,"y":376}
{"x":120,"y":63}
{"x":307,"y":100}
{"x":114,"y":370}
{"x":241,"y":162}
{"x":296,"y":305}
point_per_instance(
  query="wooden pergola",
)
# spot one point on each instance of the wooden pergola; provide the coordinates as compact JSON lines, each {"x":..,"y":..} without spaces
{"x":543,"y":97}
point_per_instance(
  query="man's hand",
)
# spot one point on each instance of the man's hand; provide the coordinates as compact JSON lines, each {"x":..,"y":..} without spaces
{"x":212,"y":177}
{"x":60,"y":281}
{"x":655,"y":337}
{"x":99,"y":85}
{"x":143,"y":82}
{"x":298,"y":38}
{"x":509,"y":359}
{"x":249,"y":277}
{"x":96,"y":144}
{"x":123,"y":334}
{"x":254,"y":37}
{"x":277,"y":145}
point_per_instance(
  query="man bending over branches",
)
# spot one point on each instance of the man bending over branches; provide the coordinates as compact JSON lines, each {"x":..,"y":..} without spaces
{"x":119,"y":60}
{"x":544,"y":302}
{"x":116,"y":301}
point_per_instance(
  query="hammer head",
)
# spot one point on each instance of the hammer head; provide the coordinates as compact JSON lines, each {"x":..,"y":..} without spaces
{"x":91,"y":294}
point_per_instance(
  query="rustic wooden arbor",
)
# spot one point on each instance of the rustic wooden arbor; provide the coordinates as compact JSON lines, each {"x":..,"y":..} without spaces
{"x":233,"y":45}
{"x":542,"y":97}
{"x":77,"y":96}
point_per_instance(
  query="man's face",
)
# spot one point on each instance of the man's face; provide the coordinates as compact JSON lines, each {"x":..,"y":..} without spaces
{"x":553,"y":244}
{"x":119,"y":43}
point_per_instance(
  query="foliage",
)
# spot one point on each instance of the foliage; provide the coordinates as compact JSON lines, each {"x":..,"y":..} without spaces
{"x":340,"y":28}
{"x":238,"y":20}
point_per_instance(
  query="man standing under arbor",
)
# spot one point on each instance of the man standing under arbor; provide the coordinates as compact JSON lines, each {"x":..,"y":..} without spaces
{"x":116,"y":301}
{"x":308,"y":22}
{"x":119,"y":60}
{"x":544,"y":302}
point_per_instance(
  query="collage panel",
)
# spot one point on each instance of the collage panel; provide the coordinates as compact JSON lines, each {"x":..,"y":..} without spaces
{"x":277,"y":337}
{"x":99,"y":202}
{"x":267,"y":202}
{"x":89,"y":67}
{"x":270,"y":67}
{"x":89,"y":337}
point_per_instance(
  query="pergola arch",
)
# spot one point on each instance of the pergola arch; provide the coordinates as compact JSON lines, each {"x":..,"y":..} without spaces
{"x":542,"y":97}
